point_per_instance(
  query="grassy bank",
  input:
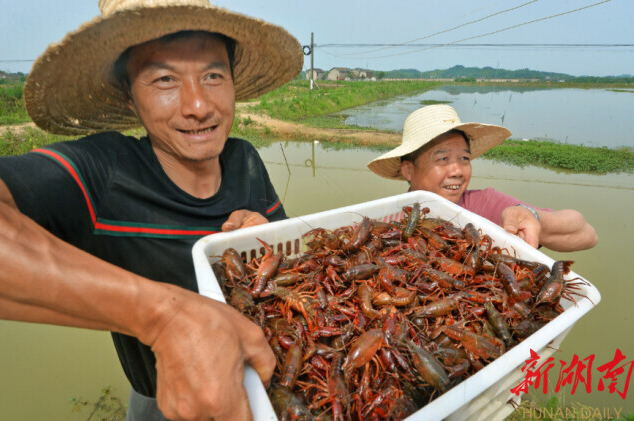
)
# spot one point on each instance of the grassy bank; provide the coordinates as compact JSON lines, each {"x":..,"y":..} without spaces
{"x":24,"y":140}
{"x":27,"y":139}
{"x":12,"y":109}
{"x":545,"y":154}
{"x":550,"y":155}
{"x":296,"y":102}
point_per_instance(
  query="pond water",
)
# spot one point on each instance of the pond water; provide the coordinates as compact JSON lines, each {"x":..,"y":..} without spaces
{"x":43,"y":366}
{"x":591,"y":117}
{"x":322,"y":179}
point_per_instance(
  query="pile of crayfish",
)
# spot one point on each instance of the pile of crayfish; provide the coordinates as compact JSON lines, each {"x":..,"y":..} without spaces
{"x":375,"y":320}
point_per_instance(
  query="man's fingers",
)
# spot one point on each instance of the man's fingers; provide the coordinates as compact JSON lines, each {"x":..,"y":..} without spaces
{"x":237,"y":409}
{"x":258,"y":354}
{"x":253,"y":220}
{"x":243,"y":218}
{"x":233,"y":222}
{"x":511,"y":228}
{"x":264,"y":365}
{"x":530,"y":238}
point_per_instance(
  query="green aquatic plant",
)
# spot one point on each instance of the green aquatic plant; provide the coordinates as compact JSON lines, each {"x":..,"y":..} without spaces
{"x":107,"y":407}
{"x":433,"y":102}
{"x":576,"y":158}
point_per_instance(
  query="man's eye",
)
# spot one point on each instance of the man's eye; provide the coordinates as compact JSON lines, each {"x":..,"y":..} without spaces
{"x":164,"y":79}
{"x":214,"y":76}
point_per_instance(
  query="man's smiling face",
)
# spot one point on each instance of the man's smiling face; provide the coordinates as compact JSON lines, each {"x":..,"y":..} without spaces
{"x":444,"y":168}
{"x":183,"y":92}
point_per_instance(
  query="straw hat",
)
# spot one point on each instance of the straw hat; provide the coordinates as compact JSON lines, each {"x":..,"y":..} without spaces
{"x":72,"y":89}
{"x":427,"y":123}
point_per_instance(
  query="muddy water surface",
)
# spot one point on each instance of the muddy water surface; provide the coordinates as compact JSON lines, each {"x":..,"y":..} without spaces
{"x":340,"y":178}
{"x":43,"y":367}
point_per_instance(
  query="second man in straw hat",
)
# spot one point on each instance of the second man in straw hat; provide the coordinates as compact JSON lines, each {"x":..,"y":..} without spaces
{"x":97,"y":233}
{"x":435,"y":155}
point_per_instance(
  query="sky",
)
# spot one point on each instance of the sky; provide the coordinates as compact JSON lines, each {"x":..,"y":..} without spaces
{"x":436,"y":33}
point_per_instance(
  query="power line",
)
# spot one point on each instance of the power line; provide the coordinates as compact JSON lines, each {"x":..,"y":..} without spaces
{"x":448,"y":30}
{"x":513,"y":45}
{"x":518,"y":46}
{"x":483,"y":35}
{"x":455,"y":44}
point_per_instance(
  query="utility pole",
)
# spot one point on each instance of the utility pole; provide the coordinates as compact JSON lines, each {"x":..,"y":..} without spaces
{"x":312,"y":59}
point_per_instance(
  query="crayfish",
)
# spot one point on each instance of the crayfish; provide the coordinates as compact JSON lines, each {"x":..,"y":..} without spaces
{"x":376,"y":320}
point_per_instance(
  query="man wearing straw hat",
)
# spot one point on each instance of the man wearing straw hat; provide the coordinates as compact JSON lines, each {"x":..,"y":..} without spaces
{"x":435,"y":155}
{"x":89,"y":226}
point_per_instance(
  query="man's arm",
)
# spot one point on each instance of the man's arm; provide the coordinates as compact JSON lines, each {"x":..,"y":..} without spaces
{"x":563,"y":230}
{"x":200,"y":345}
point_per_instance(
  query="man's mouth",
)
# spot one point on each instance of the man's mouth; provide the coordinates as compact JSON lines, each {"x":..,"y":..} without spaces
{"x":452,"y":187}
{"x":198,"y":131}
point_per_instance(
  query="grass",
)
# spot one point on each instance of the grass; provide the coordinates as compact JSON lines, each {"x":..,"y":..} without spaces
{"x":12,"y":108}
{"x":296,"y":102}
{"x":553,"y":155}
{"x":29,"y":138}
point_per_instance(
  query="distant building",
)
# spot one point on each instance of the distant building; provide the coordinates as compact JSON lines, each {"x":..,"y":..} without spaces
{"x":319,"y":74}
{"x":361,"y":74}
{"x":344,"y":73}
{"x":338,"y":73}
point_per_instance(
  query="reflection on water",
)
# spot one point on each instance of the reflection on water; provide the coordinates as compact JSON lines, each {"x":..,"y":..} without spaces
{"x":311,"y":162}
{"x":342,"y":179}
{"x":591,"y":117}
{"x":43,"y":366}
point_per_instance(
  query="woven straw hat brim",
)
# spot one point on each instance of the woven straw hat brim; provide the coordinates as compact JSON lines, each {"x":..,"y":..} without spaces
{"x":71,"y":88}
{"x":482,"y":137}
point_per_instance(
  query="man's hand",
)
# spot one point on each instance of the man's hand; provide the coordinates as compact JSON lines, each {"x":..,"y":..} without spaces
{"x":521,"y":222}
{"x":243,"y":218}
{"x":200,"y":355}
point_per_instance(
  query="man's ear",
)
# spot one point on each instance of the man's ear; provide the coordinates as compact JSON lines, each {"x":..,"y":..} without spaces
{"x":407,"y":169}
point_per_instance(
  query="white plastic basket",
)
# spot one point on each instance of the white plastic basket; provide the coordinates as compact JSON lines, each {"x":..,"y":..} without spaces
{"x":483,"y":396}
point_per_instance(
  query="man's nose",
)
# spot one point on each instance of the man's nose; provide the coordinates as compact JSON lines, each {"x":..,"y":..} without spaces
{"x":194,"y":100}
{"x":455,"y":169}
